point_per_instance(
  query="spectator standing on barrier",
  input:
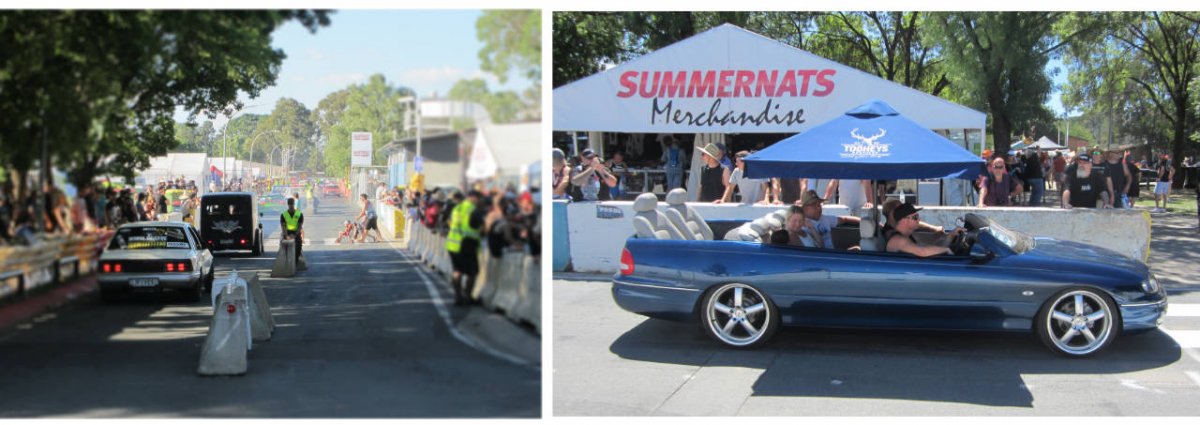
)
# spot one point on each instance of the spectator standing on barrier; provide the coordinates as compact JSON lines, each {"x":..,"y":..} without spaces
{"x":751,"y":190}
{"x":855,"y":194}
{"x":1034,"y":177}
{"x":292,"y":223}
{"x":462,"y":243}
{"x":1084,"y":185}
{"x":1162,"y":187}
{"x":998,"y":186}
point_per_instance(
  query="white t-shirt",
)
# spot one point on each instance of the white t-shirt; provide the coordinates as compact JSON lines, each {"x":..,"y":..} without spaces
{"x":751,"y":189}
{"x":825,"y":226}
{"x":850,"y":194}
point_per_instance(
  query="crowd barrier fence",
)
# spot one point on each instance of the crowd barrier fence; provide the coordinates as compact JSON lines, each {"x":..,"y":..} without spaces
{"x":53,"y":260}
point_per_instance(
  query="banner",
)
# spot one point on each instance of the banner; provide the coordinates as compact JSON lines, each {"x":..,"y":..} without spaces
{"x":360,"y":149}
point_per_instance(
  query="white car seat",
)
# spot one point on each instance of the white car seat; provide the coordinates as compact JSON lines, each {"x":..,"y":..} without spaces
{"x":695,"y":222}
{"x":649,"y":223}
{"x":868,"y":241}
{"x":676,"y":213}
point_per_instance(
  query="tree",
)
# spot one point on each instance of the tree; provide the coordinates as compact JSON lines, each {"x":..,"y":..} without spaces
{"x":373,"y":106}
{"x":583,"y":43}
{"x":502,"y":106}
{"x":997,"y":61}
{"x":512,"y":40}
{"x":293,"y":128}
{"x":127,"y":73}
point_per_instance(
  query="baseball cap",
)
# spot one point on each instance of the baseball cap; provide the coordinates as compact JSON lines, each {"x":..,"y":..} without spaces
{"x":588,"y":153}
{"x":810,"y":197}
{"x":1083,"y":157}
{"x":905,"y":210}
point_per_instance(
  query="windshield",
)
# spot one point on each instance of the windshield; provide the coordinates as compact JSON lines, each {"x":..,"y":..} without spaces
{"x":226,"y":206}
{"x":1017,"y":241}
{"x":149,"y":238}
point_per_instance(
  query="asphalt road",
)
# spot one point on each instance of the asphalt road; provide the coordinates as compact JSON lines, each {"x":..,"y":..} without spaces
{"x":360,"y":334}
{"x":612,"y":362}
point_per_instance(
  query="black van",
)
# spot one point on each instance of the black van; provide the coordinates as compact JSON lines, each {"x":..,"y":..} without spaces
{"x":229,"y":221}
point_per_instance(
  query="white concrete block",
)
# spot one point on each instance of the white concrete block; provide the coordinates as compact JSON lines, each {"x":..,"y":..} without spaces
{"x":285,"y":260}
{"x":224,"y":351}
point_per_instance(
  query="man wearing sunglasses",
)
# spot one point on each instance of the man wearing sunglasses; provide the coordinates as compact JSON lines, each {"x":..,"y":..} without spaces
{"x":902,"y":240}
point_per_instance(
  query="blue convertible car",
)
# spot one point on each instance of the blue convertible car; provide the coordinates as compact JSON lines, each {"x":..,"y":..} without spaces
{"x":1077,"y":298}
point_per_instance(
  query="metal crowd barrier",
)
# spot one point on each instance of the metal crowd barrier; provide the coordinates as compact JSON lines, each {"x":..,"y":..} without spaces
{"x":56,"y":259}
{"x":510,"y":284}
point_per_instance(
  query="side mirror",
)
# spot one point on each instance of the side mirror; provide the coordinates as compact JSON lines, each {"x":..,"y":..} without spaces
{"x":980,"y":254}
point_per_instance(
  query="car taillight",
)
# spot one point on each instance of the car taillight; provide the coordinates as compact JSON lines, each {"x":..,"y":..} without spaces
{"x":626,"y":262}
{"x":184,"y":267}
{"x":243,"y":241}
{"x":106,"y":268}
{"x":117,"y":268}
{"x":170,"y":267}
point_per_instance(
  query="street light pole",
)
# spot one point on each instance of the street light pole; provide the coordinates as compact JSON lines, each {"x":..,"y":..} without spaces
{"x":225,"y":139}
{"x":416,"y":109}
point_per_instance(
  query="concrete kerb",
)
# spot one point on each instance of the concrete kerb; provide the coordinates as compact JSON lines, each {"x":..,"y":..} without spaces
{"x":285,"y":260}
{"x":228,"y":340}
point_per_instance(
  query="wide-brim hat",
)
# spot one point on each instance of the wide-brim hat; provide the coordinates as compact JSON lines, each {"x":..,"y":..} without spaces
{"x":711,"y":150}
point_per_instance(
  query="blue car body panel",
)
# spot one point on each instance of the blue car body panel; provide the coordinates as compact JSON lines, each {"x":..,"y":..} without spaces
{"x":826,"y":288}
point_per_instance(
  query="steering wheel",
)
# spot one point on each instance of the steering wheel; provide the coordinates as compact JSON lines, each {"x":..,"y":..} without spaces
{"x":961,"y":243}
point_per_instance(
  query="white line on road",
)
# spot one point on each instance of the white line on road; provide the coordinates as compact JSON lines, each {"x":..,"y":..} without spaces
{"x":1194,"y":375}
{"x":1183,"y":310}
{"x":1181,"y":337}
{"x":445,"y":315}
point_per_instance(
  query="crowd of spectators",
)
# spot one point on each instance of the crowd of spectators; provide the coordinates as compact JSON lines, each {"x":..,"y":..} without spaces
{"x":511,"y":220}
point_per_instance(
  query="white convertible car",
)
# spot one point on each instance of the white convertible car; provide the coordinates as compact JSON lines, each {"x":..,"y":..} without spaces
{"x":154,"y":257}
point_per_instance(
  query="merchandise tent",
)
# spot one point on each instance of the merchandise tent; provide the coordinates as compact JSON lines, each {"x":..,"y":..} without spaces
{"x":728,"y":80}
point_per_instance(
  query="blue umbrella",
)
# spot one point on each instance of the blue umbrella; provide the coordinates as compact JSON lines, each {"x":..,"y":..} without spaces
{"x":872,"y":142}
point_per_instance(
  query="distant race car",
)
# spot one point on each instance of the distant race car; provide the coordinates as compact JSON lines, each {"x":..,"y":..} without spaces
{"x":154,"y":257}
{"x":1077,"y":298}
{"x":331,"y":190}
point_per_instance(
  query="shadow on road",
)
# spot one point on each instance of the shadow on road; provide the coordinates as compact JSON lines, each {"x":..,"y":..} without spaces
{"x":981,"y":369}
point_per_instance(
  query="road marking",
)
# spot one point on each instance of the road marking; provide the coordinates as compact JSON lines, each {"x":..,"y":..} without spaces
{"x":440,"y":305}
{"x":1183,"y":310}
{"x":1180,"y":339}
{"x":1194,"y":375}
{"x":1186,"y":339}
{"x":1129,"y":383}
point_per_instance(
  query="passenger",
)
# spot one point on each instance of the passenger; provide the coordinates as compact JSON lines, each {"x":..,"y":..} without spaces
{"x":903,"y":241}
{"x":810,"y":203}
{"x":801,"y":231}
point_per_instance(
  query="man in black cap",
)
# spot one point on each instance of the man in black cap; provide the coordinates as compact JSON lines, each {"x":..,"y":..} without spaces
{"x":902,"y":240}
{"x":587,"y":175}
{"x":1084,"y":185}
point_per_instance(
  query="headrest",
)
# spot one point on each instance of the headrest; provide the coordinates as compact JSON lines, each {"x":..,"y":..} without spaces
{"x":747,"y":233}
{"x":866,"y":228}
{"x":676,"y":196}
{"x":645,"y":202}
{"x":759,"y":225}
{"x":773,"y":222}
{"x":782,"y":215}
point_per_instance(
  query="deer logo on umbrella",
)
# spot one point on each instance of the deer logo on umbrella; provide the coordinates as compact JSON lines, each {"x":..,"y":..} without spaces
{"x":866,"y":147}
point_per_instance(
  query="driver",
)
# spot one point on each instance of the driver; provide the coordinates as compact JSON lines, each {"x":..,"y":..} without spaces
{"x":902,"y":240}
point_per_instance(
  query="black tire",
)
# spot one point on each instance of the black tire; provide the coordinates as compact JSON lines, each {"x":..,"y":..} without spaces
{"x":1071,"y":315}
{"x":749,"y":318}
{"x":197,"y":291}
{"x":208,"y":281}
{"x":258,"y":245}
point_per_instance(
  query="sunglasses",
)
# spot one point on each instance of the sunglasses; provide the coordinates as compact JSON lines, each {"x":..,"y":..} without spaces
{"x":997,"y":167}
{"x":914,"y":217}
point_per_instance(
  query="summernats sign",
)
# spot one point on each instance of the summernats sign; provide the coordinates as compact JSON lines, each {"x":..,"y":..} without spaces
{"x":729,"y":80}
{"x":699,"y":98}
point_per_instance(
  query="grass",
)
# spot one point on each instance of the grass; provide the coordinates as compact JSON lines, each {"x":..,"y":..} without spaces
{"x":1179,"y":202}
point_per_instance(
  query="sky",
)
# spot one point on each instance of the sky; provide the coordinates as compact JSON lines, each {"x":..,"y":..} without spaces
{"x":427,"y":50}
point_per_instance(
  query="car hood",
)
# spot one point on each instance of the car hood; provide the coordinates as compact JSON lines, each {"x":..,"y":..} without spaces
{"x":1058,"y":254}
{"x":147,"y":254}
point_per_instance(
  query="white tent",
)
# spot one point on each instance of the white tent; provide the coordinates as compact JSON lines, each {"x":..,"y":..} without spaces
{"x":1046,"y":144}
{"x":730,"y":80}
{"x":501,"y":150}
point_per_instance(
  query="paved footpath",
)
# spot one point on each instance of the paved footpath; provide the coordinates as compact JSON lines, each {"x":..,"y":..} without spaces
{"x":612,"y":362}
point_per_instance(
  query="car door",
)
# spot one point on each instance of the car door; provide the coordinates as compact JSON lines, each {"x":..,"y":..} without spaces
{"x":893,"y":290}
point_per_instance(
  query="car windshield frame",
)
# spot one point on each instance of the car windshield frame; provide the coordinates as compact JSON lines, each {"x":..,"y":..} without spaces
{"x":1018,"y":242}
{"x":167,"y":237}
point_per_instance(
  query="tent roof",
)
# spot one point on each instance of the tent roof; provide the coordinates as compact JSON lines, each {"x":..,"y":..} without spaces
{"x":768,"y":86}
{"x":505,"y":148}
{"x":1046,"y":143}
{"x":872,"y":141}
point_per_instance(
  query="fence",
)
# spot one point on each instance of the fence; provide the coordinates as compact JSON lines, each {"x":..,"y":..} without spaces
{"x":57,"y":259}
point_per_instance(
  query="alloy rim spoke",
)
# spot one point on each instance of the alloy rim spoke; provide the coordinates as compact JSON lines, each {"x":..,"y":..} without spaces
{"x":728,"y":326}
{"x":1078,"y":304}
{"x":749,"y":328}
{"x":723,"y":309}
{"x":1062,"y":317}
{"x":1087,"y":333}
{"x":737,"y":297}
{"x":755,"y":308}
{"x":1067,"y":336}
{"x":1092,"y":318}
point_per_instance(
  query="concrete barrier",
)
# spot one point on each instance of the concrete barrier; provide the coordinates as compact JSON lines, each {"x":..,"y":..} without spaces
{"x":597,"y":230}
{"x":228,"y":340}
{"x":529,"y":307}
{"x":262,"y":323}
{"x":489,"y":288}
{"x":285,"y":260}
{"x":508,"y":282}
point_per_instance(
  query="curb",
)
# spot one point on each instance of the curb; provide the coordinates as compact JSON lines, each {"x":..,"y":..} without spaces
{"x":24,"y":310}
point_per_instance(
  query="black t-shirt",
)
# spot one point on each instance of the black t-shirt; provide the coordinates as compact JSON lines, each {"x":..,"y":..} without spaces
{"x":1117,"y":173}
{"x":711,"y":186}
{"x":789,"y":191}
{"x":1085,"y":191}
{"x":1033,"y":167}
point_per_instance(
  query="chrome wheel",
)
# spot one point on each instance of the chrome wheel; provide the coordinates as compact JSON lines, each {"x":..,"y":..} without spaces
{"x":1078,"y":322}
{"x":739,"y":315}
